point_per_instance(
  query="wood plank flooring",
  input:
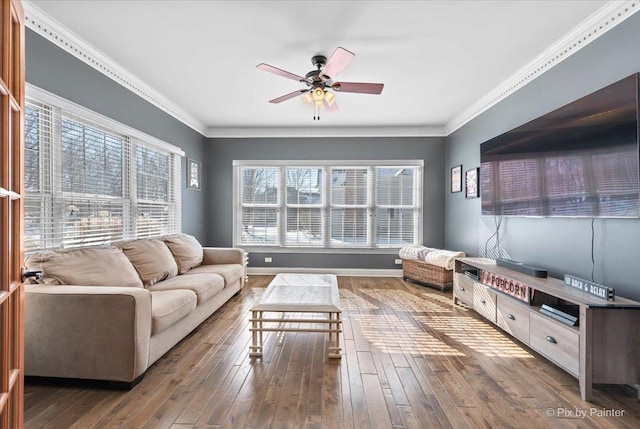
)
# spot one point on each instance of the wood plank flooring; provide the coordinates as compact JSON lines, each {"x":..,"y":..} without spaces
{"x":410,"y":360}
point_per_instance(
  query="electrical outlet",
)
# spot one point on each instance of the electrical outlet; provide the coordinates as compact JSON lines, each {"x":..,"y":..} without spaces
{"x":268,"y":259}
{"x":398,"y":261}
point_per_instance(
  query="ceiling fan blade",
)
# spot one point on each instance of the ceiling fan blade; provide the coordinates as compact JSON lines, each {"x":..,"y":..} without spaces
{"x":330,"y":107}
{"x":288,"y":96}
{"x":359,"y":87}
{"x":338,"y":61}
{"x":280,"y":72}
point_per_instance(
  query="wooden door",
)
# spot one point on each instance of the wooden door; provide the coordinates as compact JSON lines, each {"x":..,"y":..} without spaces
{"x":11,"y":213}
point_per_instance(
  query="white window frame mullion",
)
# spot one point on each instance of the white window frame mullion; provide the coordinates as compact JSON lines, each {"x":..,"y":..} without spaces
{"x":326,"y":206}
{"x":372,"y":218}
{"x":237,"y":205}
{"x":176,"y":183}
{"x":129,"y":173}
{"x":46,"y":156}
{"x":57,"y":195}
{"x":282,"y":209}
{"x":418,"y":189}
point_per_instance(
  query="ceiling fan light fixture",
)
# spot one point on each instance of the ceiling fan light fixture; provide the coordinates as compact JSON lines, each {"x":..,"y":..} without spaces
{"x":307,"y":98}
{"x":317,"y":94}
{"x":330,"y":98}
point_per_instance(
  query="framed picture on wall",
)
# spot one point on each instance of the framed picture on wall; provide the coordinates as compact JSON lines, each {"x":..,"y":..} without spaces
{"x":456,"y":178}
{"x":193,"y":174}
{"x":471,"y":183}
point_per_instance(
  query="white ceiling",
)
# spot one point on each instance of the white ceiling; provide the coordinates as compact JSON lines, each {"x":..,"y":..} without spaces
{"x":437,"y":59}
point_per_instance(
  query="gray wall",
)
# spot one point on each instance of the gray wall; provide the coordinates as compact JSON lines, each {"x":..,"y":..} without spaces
{"x":54,"y":70}
{"x":220,"y":153}
{"x":561,"y":245}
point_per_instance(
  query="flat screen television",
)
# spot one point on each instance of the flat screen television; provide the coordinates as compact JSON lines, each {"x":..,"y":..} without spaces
{"x":580,"y":160}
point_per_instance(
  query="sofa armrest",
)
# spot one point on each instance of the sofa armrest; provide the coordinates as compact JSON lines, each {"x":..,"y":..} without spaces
{"x":88,"y":332}
{"x":226,"y":255}
{"x":223,"y":255}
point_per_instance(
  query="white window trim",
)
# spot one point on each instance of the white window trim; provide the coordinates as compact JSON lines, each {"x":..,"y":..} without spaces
{"x":134,"y":137}
{"x":329,"y":164}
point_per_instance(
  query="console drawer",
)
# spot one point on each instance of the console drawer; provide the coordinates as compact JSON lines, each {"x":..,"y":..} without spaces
{"x":484,"y":301}
{"x":560,"y":344}
{"x":513,"y":318}
{"x":463,"y":289}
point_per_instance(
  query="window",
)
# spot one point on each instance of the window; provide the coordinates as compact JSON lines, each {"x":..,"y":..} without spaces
{"x":327,"y":204}
{"x":90,"y":180}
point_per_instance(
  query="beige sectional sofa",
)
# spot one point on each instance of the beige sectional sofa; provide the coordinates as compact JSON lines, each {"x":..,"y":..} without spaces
{"x":109,"y":312}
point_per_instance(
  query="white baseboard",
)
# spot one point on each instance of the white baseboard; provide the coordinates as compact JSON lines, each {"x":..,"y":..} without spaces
{"x":354,"y":272}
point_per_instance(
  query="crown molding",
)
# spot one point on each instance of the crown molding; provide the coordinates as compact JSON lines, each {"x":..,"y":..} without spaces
{"x":285,"y":132}
{"x":49,"y":28}
{"x":603,"y":20}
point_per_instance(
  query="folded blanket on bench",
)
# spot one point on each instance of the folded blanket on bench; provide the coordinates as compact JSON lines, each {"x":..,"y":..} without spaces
{"x":439,"y":257}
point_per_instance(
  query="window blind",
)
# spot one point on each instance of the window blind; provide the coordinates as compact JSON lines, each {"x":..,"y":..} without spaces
{"x":350,"y":207}
{"x":260,"y":208}
{"x":327,"y":204}
{"x":396,"y":205}
{"x":89,"y":184}
{"x":304,"y":207}
{"x":155,"y":211}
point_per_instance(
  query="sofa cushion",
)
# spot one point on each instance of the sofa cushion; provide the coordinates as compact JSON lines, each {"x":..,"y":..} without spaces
{"x":91,"y":266}
{"x":205,"y":285}
{"x":151,"y":258}
{"x":186,"y":250}
{"x":230,"y":272}
{"x":169,"y":306}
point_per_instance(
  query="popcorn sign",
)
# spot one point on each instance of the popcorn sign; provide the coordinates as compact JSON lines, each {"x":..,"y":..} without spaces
{"x":505,"y":285}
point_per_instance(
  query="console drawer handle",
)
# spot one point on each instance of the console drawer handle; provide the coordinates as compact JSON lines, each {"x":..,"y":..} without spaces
{"x":551,"y":339}
{"x":511,"y":316}
{"x":482,"y":301}
{"x":461,"y":288}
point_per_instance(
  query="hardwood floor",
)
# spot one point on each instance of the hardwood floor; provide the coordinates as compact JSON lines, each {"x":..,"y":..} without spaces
{"x":410,"y":360}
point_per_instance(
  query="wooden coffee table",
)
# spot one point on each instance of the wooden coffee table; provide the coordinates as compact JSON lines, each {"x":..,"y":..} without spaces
{"x":298,"y":293}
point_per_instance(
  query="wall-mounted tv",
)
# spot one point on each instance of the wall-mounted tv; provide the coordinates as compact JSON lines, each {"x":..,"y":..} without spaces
{"x":580,"y":160}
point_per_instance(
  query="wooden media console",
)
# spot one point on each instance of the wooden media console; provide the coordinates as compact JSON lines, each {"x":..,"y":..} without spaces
{"x":602,"y":347}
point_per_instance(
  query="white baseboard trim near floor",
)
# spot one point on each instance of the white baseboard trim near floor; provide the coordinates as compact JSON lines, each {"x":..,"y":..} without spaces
{"x":355,"y":272}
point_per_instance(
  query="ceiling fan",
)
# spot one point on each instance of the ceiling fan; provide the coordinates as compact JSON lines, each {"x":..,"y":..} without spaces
{"x":320,"y":81}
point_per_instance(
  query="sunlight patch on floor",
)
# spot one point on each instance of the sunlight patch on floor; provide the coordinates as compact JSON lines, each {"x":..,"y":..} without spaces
{"x":475,"y":334}
{"x":352,"y":301}
{"x":390,"y":334}
{"x":446,"y":300}
{"x":405,"y":301}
